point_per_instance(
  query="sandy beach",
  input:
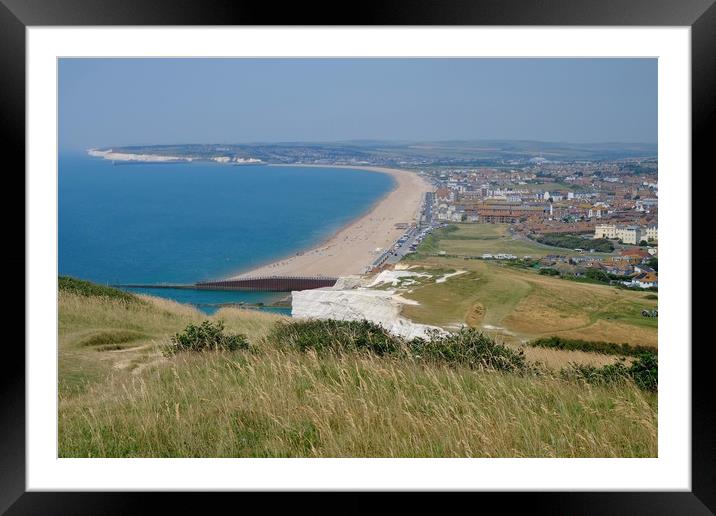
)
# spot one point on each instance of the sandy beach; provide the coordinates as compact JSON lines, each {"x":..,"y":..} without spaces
{"x":353,"y":248}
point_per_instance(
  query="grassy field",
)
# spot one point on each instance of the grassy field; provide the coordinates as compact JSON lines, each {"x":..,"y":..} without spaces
{"x":119,"y":396}
{"x":478,"y":239}
{"x":518,"y":304}
{"x":549,"y":187}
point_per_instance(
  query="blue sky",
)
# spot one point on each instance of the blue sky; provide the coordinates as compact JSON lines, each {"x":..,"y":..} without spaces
{"x":105,"y":102}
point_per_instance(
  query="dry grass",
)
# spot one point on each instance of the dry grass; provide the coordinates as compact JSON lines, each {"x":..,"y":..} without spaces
{"x":613,"y":332}
{"x":519,"y":305}
{"x":289,"y":404}
{"x":556,"y":359}
{"x":273,"y":401}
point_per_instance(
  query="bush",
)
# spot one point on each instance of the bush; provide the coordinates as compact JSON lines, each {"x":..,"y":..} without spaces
{"x":607,"y":348}
{"x":335,"y":336}
{"x":569,"y":241}
{"x":609,"y":373}
{"x":467,"y":347}
{"x":645,"y":371}
{"x":470,"y":348}
{"x":548,"y":271}
{"x":597,"y":275}
{"x":208,"y":336}
{"x":89,"y":289}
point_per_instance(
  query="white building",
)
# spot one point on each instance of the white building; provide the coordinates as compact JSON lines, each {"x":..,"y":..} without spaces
{"x":627,"y":234}
{"x":652,"y":233}
{"x":605,"y":230}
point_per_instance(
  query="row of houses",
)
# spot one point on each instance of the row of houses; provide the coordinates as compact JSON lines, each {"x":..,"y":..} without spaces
{"x":631,"y":264}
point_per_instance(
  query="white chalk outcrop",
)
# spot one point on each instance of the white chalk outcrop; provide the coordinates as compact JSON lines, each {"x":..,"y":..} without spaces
{"x":123,"y":156}
{"x":378,"y":306}
{"x":444,"y":278}
{"x":154,"y":158}
{"x":395,"y":276}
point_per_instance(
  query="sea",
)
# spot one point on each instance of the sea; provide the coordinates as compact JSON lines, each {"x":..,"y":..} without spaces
{"x":179,"y":223}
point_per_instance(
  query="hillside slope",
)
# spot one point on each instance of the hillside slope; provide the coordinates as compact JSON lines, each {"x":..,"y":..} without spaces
{"x":119,"y":396}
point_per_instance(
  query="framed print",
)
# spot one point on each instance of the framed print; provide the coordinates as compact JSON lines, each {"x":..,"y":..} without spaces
{"x":413,"y":250}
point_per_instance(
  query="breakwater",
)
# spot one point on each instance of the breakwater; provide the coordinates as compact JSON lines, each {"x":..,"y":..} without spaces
{"x":252,"y":284}
{"x":270,"y":283}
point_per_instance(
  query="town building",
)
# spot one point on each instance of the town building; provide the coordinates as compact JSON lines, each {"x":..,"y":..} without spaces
{"x":627,"y":234}
{"x":605,"y":231}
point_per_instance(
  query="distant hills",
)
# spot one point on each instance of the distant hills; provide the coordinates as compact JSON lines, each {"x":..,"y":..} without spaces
{"x":415,"y":153}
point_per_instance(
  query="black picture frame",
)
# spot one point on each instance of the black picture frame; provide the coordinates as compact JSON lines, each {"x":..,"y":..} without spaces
{"x":16,"y":15}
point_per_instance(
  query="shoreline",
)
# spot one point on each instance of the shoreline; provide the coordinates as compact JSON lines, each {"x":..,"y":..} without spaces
{"x":350,"y":250}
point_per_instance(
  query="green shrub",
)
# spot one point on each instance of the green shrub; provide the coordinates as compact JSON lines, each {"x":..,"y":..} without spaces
{"x":610,"y":373}
{"x":89,"y":289}
{"x":548,"y":271}
{"x":651,"y":296}
{"x":597,"y":275}
{"x":607,"y":348}
{"x":335,"y":336}
{"x":522,"y":263}
{"x":575,"y":241}
{"x":208,"y":336}
{"x":468,"y":347}
{"x":645,"y":371}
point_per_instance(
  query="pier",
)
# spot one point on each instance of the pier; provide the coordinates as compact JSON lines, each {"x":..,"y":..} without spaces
{"x":253,"y":284}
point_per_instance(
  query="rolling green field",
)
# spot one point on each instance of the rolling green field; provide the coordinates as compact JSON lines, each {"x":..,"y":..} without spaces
{"x":549,"y":187}
{"x":120,"y":396}
{"x":477,"y":239}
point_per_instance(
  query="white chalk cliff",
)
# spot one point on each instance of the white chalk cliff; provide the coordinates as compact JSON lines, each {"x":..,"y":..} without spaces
{"x":379,"y":306}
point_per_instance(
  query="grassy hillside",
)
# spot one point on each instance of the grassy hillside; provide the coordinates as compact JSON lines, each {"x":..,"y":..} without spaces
{"x":517,"y":303}
{"x":120,"y":396}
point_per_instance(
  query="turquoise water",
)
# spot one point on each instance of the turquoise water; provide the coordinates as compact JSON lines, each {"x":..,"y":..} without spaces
{"x":210,"y":301}
{"x":188,"y":222}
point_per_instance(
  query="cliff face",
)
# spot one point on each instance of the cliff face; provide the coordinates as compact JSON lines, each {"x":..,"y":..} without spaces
{"x":122,"y":156}
{"x":378,"y":306}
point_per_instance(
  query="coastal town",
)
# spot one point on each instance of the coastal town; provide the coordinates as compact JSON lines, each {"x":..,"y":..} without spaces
{"x":597,"y":210}
{"x":604,"y":213}
{"x":359,"y":257}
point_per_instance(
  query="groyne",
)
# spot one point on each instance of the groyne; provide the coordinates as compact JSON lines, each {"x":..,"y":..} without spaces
{"x":253,"y":284}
